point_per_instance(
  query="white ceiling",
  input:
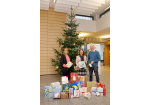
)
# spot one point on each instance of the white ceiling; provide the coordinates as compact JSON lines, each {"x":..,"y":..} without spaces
{"x":83,"y":7}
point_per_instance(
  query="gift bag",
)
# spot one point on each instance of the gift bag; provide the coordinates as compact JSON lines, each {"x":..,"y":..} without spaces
{"x":90,"y":84}
{"x":64,"y":79}
{"x":64,"y":95}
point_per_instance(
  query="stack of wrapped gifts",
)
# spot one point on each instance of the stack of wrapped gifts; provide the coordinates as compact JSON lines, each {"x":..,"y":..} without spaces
{"x":54,"y":88}
{"x":75,"y":89}
{"x":99,"y":90}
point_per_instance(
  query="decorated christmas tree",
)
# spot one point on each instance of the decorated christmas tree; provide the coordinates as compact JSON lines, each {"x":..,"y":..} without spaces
{"x":71,"y":41}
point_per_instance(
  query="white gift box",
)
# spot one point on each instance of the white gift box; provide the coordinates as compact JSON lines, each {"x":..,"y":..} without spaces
{"x":55,"y":84}
{"x":93,"y":89}
{"x":100,"y":89}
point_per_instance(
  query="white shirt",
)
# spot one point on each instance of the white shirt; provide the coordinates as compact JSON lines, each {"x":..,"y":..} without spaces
{"x":93,"y":50}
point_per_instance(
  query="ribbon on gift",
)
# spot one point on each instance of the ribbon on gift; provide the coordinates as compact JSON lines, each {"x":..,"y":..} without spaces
{"x":100,"y":85}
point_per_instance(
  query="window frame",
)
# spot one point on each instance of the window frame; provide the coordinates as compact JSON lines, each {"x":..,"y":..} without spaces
{"x":84,"y":16}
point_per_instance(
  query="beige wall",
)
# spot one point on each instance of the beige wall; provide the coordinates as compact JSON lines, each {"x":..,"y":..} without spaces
{"x":50,"y":29}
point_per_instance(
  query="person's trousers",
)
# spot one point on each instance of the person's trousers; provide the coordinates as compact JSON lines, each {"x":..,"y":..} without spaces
{"x":95,"y":69}
{"x":66,"y":73}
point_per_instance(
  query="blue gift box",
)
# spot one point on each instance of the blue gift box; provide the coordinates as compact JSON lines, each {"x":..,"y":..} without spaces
{"x":66,"y":86}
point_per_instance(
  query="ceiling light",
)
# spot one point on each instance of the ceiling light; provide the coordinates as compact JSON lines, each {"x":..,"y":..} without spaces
{"x":54,"y":1}
{"x":106,"y":36}
{"x":107,"y":8}
{"x":81,"y":34}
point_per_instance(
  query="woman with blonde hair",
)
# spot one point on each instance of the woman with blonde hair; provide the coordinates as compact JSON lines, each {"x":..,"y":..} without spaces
{"x":79,"y":58}
{"x":65,"y":58}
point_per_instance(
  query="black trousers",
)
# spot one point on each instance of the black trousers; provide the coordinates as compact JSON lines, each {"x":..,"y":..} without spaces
{"x":95,"y":69}
{"x":66,"y":73}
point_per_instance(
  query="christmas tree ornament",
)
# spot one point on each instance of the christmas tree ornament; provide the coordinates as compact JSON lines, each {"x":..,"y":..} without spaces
{"x":57,"y":67}
{"x":73,"y":43}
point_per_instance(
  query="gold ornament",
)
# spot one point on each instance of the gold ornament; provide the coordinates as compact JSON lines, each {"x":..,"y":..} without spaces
{"x":57,"y":67}
{"x":60,"y":57}
{"x":73,"y":43}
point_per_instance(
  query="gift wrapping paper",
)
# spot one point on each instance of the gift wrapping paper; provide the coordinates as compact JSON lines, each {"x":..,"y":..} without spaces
{"x":81,"y":78}
{"x":76,"y":93}
{"x":90,"y":84}
{"x":87,"y":95}
{"x":70,"y":92}
{"x":82,"y":91}
{"x":93,"y":89}
{"x":70,"y":95}
{"x":101,"y":90}
{"x":79,"y":83}
{"x":64,"y":95}
{"x":54,"y":84}
{"x":46,"y":91}
{"x":58,"y":88}
{"x":56,"y":94}
{"x":81,"y":64}
{"x":50,"y":94}
{"x":64,"y":79}
{"x":66,"y":86}
{"x":74,"y":76}
{"x":69,"y":64}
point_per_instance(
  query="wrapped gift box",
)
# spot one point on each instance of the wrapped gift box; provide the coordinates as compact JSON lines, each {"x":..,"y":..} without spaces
{"x":58,"y":88}
{"x":81,"y":78}
{"x":50,"y":94}
{"x":70,"y":92}
{"x":82,"y":64}
{"x":74,"y":76}
{"x":69,"y":64}
{"x":46,"y":91}
{"x":84,"y":85}
{"x":82,"y":91}
{"x":102,"y":85}
{"x":101,"y":90}
{"x":93,"y":89}
{"x":87,"y":95}
{"x":79,"y":83}
{"x":94,"y":93}
{"x":90,"y":85}
{"x":55,"y":84}
{"x":64,"y":79}
{"x":76,"y":93}
{"x":64,"y":95}
{"x":66,"y":86}
{"x":56,"y":94}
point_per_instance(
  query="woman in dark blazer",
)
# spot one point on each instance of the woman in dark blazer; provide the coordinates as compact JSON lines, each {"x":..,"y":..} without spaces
{"x":65,"y":58}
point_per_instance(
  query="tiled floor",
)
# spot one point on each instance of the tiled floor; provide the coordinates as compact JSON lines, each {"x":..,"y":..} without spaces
{"x":100,"y":100}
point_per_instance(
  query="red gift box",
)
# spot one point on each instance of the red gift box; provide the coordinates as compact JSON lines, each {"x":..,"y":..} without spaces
{"x":104,"y":91}
{"x":74,"y":74}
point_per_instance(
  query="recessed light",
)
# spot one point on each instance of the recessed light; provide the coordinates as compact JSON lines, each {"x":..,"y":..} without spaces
{"x":54,"y":1}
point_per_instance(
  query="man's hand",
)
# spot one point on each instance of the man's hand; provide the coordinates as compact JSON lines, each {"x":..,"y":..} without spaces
{"x":92,"y":62}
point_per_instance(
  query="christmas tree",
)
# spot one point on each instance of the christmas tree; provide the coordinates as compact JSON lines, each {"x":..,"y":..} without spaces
{"x":71,"y":41}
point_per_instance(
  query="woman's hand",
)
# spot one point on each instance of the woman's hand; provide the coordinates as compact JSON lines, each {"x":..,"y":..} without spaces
{"x":85,"y":62}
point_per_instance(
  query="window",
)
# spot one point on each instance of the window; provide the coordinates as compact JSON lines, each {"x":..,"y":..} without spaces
{"x":104,"y":13}
{"x":84,"y":17}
